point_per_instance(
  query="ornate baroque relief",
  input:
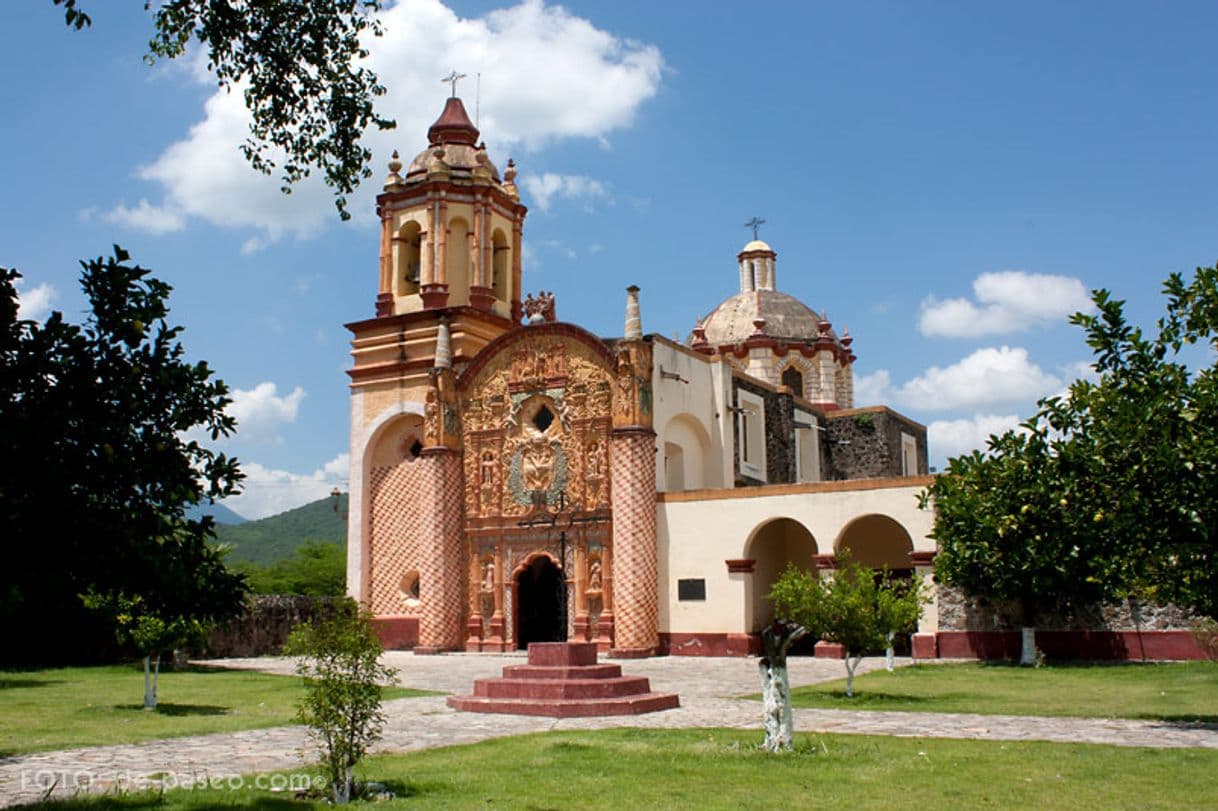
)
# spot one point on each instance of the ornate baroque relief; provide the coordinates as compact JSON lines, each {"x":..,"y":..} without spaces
{"x":536,"y":426}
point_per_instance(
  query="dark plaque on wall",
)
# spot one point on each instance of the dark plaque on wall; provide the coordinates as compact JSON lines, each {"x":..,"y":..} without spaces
{"x":694,"y":589}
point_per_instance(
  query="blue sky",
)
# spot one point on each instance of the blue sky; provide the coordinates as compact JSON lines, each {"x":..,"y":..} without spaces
{"x":945,"y":179}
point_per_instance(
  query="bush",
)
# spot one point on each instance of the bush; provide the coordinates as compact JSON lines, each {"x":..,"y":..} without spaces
{"x":340,"y":664}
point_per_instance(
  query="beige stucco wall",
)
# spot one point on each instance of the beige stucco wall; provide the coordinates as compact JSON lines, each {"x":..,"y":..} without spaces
{"x":698,"y":531}
{"x":689,"y":407}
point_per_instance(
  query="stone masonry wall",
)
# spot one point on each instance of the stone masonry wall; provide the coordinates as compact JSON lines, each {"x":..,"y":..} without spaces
{"x":867,"y":444}
{"x":961,"y":612}
{"x":779,"y":436}
{"x":264,"y":627}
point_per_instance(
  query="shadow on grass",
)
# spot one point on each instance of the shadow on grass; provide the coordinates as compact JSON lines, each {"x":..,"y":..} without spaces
{"x":1184,"y":721}
{"x":17,"y":684}
{"x":176,"y":710}
{"x":869,"y":699}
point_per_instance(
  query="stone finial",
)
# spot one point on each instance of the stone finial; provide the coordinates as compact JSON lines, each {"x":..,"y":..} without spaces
{"x":395,"y":167}
{"x":634,"y":323}
{"x":847,"y":339}
{"x":444,"y":347}
{"x":699,"y":338}
{"x":758,"y":328}
{"x":509,"y":180}
{"x":436,"y":165}
{"x":823,"y":326}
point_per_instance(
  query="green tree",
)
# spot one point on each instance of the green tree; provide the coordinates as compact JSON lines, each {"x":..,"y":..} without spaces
{"x":317,"y":569}
{"x":297,"y":63}
{"x":1108,"y":491}
{"x":340,"y":664}
{"x":96,"y":433}
{"x":857,"y":607}
{"x":146,"y":632}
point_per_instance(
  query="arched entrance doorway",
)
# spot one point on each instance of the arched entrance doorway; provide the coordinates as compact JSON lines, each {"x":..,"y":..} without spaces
{"x":539,"y":596}
{"x":774,"y":544}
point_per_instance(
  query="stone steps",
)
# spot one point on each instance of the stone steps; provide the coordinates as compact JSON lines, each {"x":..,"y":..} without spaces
{"x":564,"y":680}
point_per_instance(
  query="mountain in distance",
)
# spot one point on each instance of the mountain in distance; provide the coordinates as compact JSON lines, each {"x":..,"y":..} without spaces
{"x":277,"y":537}
{"x":220,"y":514}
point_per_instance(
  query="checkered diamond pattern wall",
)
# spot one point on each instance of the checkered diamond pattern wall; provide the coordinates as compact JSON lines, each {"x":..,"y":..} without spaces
{"x":442,"y":568}
{"x":398,"y":527}
{"x":636,"y":593}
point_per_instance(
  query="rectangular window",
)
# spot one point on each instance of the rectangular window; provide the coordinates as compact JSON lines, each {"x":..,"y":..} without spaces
{"x":751,"y":426}
{"x":691,"y":589}
{"x":807,"y":448}
{"x":909,"y":455}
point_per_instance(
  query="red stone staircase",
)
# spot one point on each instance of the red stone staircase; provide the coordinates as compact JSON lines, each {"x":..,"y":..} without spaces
{"x":563,"y":680}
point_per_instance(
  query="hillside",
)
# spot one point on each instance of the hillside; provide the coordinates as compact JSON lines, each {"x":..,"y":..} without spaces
{"x":278,"y":536}
{"x":219,"y":513}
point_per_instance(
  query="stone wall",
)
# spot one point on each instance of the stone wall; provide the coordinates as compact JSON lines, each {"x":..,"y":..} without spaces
{"x":960,"y":612}
{"x":779,"y":435}
{"x":866,"y":444}
{"x":264,"y":627}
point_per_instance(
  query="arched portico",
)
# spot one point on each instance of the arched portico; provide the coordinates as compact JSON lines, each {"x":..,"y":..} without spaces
{"x":877,"y":541}
{"x":773,"y":545}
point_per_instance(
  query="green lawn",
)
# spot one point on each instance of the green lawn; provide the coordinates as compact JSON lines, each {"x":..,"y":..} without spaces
{"x":722,"y":769}
{"x":90,"y":706}
{"x":1185,"y":691}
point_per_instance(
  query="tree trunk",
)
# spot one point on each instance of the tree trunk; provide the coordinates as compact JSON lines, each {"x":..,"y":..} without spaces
{"x":851,"y":664}
{"x":150,"y":677}
{"x":776,"y":706}
{"x":1027,"y":650}
{"x":888,"y":652}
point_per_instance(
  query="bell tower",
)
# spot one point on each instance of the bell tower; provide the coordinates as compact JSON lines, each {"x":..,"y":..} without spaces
{"x":449,"y":284}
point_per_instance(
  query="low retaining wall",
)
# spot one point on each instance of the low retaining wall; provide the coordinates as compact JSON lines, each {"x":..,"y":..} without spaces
{"x":264,"y":627}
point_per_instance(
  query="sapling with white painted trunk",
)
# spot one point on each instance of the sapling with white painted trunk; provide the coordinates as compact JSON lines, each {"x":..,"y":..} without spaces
{"x":776,"y":640}
{"x":859,"y":608}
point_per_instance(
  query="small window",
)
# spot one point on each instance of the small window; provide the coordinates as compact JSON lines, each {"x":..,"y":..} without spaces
{"x":794,"y":380}
{"x":543,"y":419}
{"x":752,"y":434}
{"x":691,"y":589}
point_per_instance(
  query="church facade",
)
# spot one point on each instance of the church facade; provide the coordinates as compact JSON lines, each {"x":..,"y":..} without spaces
{"x":515,"y":478}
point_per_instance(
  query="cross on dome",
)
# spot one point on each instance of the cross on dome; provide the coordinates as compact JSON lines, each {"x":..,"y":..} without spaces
{"x":754,"y":223}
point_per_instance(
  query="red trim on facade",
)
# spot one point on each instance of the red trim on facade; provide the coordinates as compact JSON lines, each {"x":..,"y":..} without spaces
{"x":709,"y":644}
{"x":922,"y":558}
{"x":829,"y":650}
{"x":396,"y":633}
{"x":740,"y":566}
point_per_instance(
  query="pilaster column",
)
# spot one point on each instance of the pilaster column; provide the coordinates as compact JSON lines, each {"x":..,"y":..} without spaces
{"x":635,"y":566}
{"x":384,"y":292}
{"x":442,"y":567}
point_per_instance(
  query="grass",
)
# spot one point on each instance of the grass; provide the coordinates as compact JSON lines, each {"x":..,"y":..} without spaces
{"x":722,"y":769}
{"x":1170,"y":691}
{"x":93,"y":706}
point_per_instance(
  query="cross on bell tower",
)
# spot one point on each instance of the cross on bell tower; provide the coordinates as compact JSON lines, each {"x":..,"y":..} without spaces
{"x":452,"y":79}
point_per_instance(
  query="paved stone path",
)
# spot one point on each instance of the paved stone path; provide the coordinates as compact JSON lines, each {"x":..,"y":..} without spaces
{"x":707,"y":687}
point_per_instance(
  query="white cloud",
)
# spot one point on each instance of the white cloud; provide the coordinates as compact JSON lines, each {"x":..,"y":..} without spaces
{"x":260,"y":412}
{"x":266,"y":491}
{"x":948,"y":438}
{"x":872,"y":389}
{"x":546,"y":75}
{"x":987,"y":377}
{"x":35,"y":304}
{"x":1006,"y":301}
{"x":146,"y":217}
{"x":542,"y":189}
